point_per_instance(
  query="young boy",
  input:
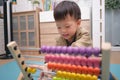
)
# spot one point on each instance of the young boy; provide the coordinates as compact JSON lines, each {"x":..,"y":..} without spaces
{"x":67,"y":16}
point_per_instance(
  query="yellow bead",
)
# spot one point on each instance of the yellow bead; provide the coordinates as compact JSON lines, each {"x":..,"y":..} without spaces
{"x":88,"y":77}
{"x":59,"y":74}
{"x":73,"y":75}
{"x":94,"y":77}
{"x":33,"y":70}
{"x":64,"y":74}
{"x":29,"y":70}
{"x":83,"y":77}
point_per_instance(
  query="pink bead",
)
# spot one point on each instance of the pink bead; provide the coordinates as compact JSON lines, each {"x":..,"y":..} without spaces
{"x":96,"y":62}
{"x":72,"y":58}
{"x":57,"y":58}
{"x":84,"y":61}
{"x":60,"y":59}
{"x":77,"y":60}
{"x":66,"y":59}
{"x":63,"y":58}
{"x":47,"y":58}
{"x":90,"y":61}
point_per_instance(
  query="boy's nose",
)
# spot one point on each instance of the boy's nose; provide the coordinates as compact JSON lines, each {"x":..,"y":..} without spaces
{"x":63,"y":30}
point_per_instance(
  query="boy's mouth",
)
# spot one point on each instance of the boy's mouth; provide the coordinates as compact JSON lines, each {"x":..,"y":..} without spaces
{"x":65,"y":35}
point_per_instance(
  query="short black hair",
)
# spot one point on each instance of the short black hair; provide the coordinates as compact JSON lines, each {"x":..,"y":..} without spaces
{"x":67,"y":7}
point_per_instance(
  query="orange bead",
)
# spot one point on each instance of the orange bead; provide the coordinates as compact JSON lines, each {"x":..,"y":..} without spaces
{"x":96,"y":71}
{"x":84,"y":70}
{"x":90,"y":70}
{"x":79,"y":69}
{"x":74,"y":68}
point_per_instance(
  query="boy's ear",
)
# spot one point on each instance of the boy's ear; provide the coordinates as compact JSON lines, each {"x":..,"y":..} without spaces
{"x":79,"y":21}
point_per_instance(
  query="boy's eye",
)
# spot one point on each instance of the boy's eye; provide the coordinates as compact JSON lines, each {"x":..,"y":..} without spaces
{"x":67,"y":26}
{"x":59,"y":27}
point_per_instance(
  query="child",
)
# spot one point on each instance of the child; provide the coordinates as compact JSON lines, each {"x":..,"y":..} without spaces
{"x":67,"y":16}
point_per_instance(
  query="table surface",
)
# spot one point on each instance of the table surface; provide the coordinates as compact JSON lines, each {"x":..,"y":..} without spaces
{"x":11,"y":71}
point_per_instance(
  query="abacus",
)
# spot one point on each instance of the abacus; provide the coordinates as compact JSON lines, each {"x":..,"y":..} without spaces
{"x":69,"y":63}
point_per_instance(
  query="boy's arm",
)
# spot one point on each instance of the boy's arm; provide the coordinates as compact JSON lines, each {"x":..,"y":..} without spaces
{"x":84,"y":39}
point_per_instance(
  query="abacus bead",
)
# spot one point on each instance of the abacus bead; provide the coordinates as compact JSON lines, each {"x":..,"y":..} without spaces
{"x":84,"y":61}
{"x":82,"y":50}
{"x":63,"y":58}
{"x":47,"y":58}
{"x":52,"y":58}
{"x":56,"y":59}
{"x":75,"y":50}
{"x":33,"y":70}
{"x":53,"y":49}
{"x":79,"y":69}
{"x":96,"y":62}
{"x":43,"y":49}
{"x":90,"y":70}
{"x":59,"y":73}
{"x":48,"y":49}
{"x":96,"y":51}
{"x":69,"y":50}
{"x":84,"y":70}
{"x":58,"y":49}
{"x":77,"y":60}
{"x":67,"y":59}
{"x":90,"y":61}
{"x":29,"y":70}
{"x":96,"y":71}
{"x":88,"y":51}
{"x":89,"y":77}
{"x":54,"y":78}
{"x":94,"y":77}
{"x":72,"y":58}
{"x":64,"y":49}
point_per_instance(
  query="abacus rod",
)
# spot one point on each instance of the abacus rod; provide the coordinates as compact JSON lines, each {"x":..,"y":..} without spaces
{"x":28,"y":56}
{"x":24,"y":48}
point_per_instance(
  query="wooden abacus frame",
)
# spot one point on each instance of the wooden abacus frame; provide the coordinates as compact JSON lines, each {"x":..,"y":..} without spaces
{"x":14,"y":49}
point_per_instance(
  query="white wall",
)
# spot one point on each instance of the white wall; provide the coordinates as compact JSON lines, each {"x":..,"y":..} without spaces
{"x":47,"y":16}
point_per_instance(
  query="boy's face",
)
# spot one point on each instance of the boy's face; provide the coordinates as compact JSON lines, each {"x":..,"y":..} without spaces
{"x":68,"y":27}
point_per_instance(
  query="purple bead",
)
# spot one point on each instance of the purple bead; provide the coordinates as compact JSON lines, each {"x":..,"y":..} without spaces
{"x":75,"y":50}
{"x":82,"y":50}
{"x":58,"y":49}
{"x":89,"y":51}
{"x":69,"y":50}
{"x":48,"y":49}
{"x":43,"y":49}
{"x":96,"y":51}
{"x":53,"y":49}
{"x":64,"y":49}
